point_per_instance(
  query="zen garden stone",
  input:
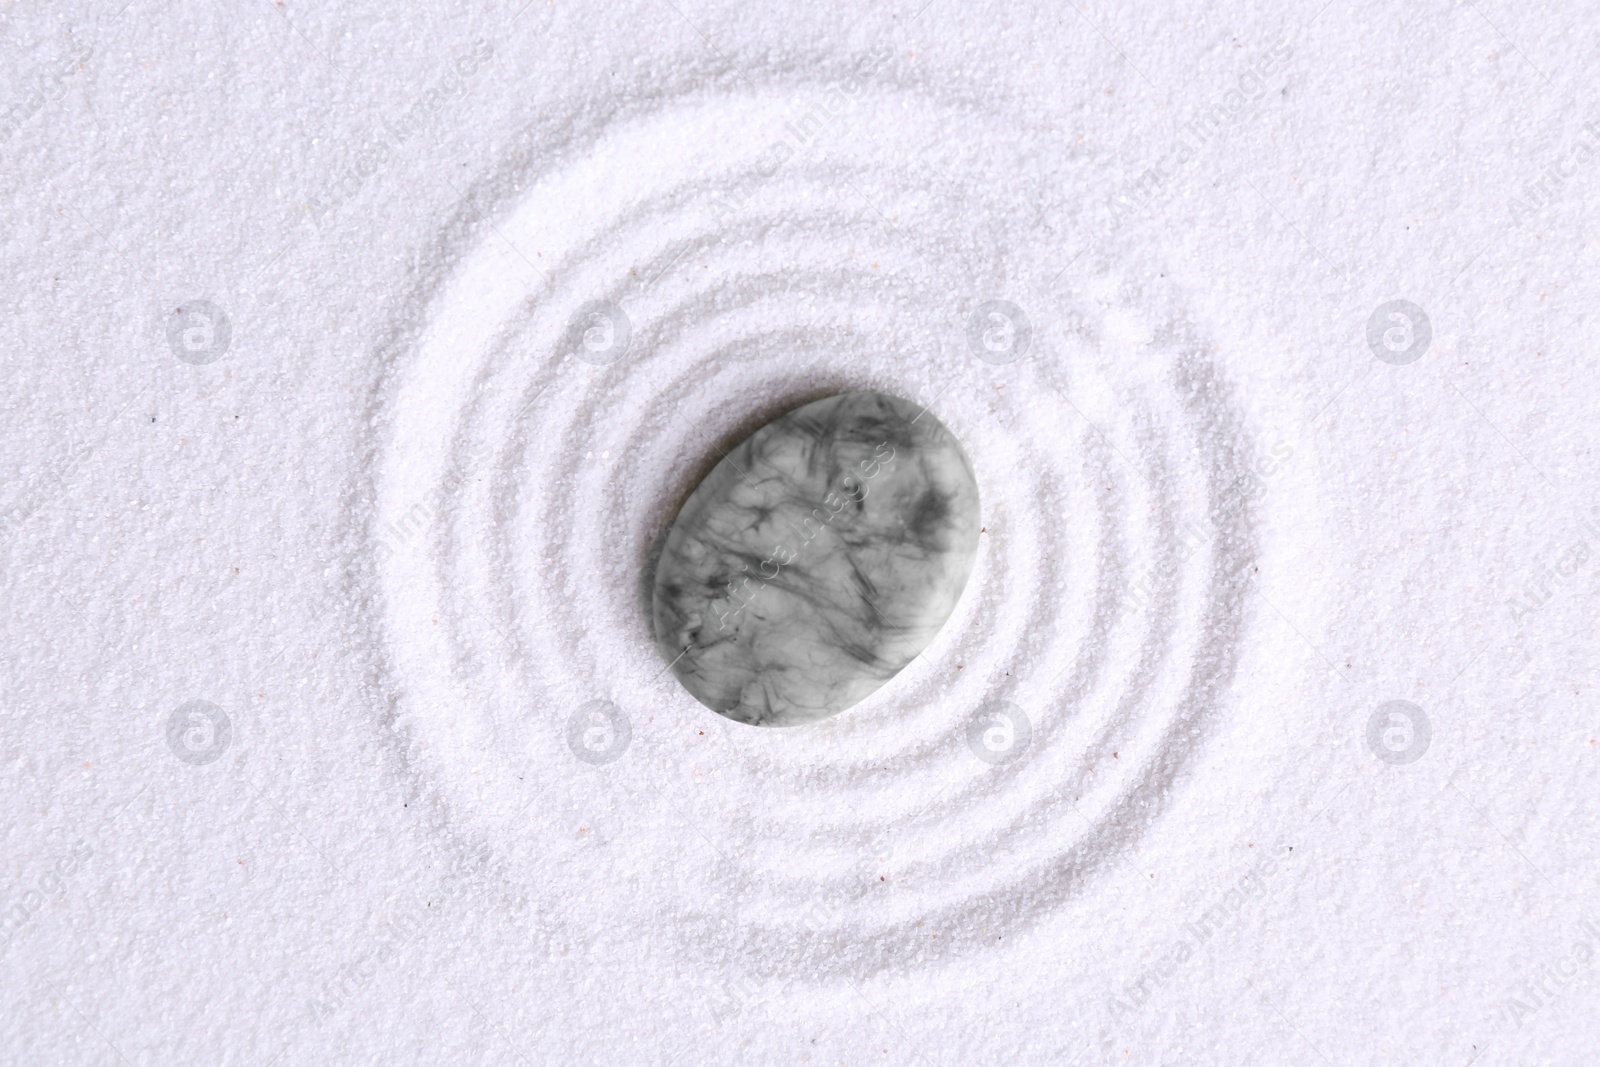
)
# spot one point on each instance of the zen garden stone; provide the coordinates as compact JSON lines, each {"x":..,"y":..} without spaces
{"x":817,"y":560}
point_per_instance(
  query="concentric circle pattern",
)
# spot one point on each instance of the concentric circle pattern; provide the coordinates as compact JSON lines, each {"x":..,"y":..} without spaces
{"x":522,"y":484}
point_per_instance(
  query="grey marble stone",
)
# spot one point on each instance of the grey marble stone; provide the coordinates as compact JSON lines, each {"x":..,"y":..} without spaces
{"x":817,"y":559}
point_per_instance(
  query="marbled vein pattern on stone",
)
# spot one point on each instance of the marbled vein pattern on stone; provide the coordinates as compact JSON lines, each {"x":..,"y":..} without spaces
{"x":817,"y":559}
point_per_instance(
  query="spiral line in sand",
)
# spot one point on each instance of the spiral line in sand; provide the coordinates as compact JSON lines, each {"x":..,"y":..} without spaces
{"x":524,"y":480}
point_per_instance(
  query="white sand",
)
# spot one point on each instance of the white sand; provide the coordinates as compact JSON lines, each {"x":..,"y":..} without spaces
{"x":394,"y":531}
